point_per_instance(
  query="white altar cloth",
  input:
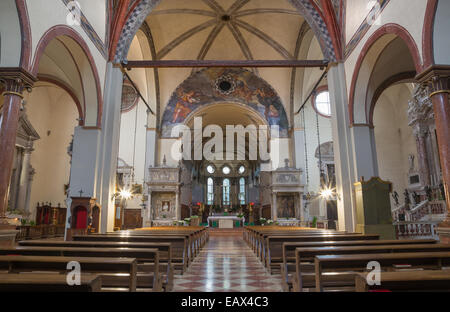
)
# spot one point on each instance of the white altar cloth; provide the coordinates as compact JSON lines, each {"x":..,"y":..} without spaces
{"x":225,"y":222}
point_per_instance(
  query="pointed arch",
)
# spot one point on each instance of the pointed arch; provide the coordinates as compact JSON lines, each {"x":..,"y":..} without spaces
{"x":91,"y":93}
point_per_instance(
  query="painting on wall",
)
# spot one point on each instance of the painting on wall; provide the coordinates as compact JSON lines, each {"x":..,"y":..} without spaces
{"x":217,"y":85}
{"x":286,"y":207}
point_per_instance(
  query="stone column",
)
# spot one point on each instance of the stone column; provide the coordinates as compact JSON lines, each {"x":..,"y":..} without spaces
{"x":31,"y":173}
{"x":15,"y":80}
{"x":177,"y":204}
{"x":438,"y":80}
{"x":109,"y":146}
{"x":25,"y":178}
{"x":274,"y":206}
{"x":149,"y":210}
{"x":343,"y":150}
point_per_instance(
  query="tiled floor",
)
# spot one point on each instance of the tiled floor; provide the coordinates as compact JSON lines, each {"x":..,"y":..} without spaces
{"x":226,"y":264}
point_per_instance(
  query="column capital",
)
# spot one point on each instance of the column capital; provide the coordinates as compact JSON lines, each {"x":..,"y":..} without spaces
{"x":15,"y":80}
{"x":436,"y":78}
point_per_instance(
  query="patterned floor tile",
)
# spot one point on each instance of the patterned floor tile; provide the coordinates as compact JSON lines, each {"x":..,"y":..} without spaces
{"x":226,"y":264}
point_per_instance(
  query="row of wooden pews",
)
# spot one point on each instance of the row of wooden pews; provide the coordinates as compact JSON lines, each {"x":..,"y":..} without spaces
{"x":324,"y":260}
{"x":136,"y":260}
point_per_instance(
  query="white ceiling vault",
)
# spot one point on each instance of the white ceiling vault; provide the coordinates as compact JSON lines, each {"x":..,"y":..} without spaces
{"x":229,"y":30}
{"x":225,"y":29}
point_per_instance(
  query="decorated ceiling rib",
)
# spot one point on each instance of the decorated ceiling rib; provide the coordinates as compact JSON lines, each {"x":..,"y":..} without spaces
{"x":232,"y":20}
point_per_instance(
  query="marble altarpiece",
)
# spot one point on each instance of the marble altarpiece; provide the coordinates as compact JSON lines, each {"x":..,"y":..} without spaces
{"x":23,"y":172}
{"x":163,"y":196}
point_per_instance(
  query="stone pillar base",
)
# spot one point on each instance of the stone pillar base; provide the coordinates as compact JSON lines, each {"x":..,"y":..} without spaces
{"x":386,"y":231}
{"x":444,"y":234}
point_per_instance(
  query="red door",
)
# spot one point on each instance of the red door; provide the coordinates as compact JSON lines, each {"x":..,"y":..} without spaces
{"x":81,"y":215}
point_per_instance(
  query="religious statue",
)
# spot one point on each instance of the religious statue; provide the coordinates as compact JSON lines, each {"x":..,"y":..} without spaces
{"x":411,"y":159}
{"x":165,"y":206}
{"x":407,"y":199}
{"x":395,"y":197}
{"x":416,"y":198}
{"x":429,"y":193}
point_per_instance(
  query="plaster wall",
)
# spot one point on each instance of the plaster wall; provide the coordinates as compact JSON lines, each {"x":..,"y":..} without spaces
{"x":53,"y":114}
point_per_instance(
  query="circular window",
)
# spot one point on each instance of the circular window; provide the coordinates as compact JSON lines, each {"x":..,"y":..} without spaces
{"x":210,"y":169}
{"x":225,"y":86}
{"x":241,"y":169}
{"x":322,"y":103}
{"x":226,"y":170}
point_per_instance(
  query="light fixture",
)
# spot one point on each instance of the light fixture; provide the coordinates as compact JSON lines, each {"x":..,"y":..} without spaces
{"x":326,"y":193}
{"x":125,"y":194}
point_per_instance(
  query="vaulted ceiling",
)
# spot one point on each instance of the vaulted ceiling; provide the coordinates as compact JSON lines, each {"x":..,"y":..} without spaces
{"x":225,"y":29}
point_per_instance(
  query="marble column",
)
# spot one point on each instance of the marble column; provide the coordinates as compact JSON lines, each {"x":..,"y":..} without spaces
{"x":24,"y":178}
{"x":15,"y":80}
{"x":438,"y":81}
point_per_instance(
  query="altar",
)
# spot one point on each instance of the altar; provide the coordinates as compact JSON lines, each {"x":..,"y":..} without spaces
{"x":225,"y":222}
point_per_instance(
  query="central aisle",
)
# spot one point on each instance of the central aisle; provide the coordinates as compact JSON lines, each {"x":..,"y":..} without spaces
{"x":227,"y":264}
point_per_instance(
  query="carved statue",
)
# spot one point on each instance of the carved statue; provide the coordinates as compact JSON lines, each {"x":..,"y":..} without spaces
{"x":395,"y":197}
{"x":411,"y":159}
{"x":407,"y":199}
{"x":416,"y":198}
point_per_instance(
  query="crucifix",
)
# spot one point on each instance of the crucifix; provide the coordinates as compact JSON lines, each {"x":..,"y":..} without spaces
{"x":81,"y":193}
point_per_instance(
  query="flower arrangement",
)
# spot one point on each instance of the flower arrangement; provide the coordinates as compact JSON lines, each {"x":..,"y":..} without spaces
{"x":262,"y":221}
{"x":270,"y":222}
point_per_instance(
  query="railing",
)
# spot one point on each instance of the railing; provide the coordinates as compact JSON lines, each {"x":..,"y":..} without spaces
{"x":425,"y":208}
{"x":416,"y":229}
{"x":27,"y":232}
{"x":397,"y":212}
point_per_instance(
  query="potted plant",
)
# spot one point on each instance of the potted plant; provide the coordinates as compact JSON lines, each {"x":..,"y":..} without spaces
{"x":269,"y":222}
{"x":263,"y":221}
{"x":314,"y":222}
{"x":187,"y":221}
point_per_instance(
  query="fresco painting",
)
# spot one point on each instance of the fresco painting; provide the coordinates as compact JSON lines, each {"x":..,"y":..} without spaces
{"x":221,"y":85}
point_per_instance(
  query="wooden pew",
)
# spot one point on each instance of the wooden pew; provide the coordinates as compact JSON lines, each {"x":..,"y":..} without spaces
{"x":272,"y":256}
{"x":14,"y":264}
{"x":350,"y":264}
{"x":304,"y":279}
{"x":165,"y":253}
{"x":429,"y":280}
{"x":148,"y":275}
{"x":192,"y":242}
{"x":179,"y":245}
{"x":47,"y":282}
{"x":288,"y":266}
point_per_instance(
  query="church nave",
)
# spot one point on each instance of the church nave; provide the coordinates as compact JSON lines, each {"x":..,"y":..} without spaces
{"x":226,"y":264}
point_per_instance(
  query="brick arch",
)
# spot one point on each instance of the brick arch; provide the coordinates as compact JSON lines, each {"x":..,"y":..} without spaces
{"x":25,"y":29}
{"x":387,"y":29}
{"x":130,"y":24}
{"x":428,"y":31}
{"x":63,"y":30}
